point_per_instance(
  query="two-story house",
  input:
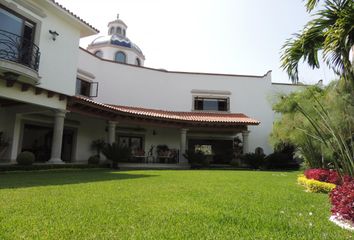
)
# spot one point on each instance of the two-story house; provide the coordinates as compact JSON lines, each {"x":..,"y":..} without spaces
{"x":57,"y":98}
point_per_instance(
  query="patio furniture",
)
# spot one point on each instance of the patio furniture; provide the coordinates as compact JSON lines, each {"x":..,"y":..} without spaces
{"x":139,"y":156}
{"x":167,"y":156}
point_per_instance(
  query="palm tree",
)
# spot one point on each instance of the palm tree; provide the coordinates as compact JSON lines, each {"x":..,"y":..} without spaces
{"x":330,"y":32}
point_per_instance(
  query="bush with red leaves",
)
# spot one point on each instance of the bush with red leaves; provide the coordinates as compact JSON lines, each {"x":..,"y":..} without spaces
{"x":323,"y":175}
{"x":342,"y":200}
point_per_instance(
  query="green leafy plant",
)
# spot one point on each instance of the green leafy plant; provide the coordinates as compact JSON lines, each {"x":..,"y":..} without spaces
{"x":196,"y":158}
{"x":25,"y":158}
{"x":116,"y":153}
{"x":94,"y":159}
{"x":97,"y":145}
{"x":254,"y":160}
{"x":331,"y":33}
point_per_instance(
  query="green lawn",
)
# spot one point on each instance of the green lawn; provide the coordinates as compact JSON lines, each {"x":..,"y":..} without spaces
{"x":103,"y":204}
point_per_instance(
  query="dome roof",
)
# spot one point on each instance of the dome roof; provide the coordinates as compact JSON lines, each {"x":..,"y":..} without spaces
{"x":117,"y":40}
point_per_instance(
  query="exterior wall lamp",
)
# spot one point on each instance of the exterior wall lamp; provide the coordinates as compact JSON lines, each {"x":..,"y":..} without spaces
{"x":54,"y":34}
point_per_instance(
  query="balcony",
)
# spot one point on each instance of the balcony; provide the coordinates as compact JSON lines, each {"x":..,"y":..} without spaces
{"x":19,"y":56}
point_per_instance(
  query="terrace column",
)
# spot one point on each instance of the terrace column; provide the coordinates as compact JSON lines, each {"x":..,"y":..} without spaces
{"x":55,"y":157}
{"x":245,"y":142}
{"x":183,"y":146}
{"x":111,"y":131}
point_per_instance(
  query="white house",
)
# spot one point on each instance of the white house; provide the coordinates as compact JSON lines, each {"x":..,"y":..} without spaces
{"x":56,"y":98}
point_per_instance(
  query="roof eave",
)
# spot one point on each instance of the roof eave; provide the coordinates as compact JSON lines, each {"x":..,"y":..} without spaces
{"x":85,"y":28}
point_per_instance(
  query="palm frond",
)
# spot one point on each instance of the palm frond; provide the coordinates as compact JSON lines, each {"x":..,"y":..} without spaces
{"x":311,"y":4}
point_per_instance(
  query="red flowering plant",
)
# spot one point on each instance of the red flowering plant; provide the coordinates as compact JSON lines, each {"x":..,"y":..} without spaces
{"x":323,"y":175}
{"x":342,"y":200}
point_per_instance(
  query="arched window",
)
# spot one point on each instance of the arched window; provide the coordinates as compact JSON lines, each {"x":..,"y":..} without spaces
{"x":99,"y":54}
{"x":120,"y":57}
{"x":124,"y":32}
{"x":111,"y":30}
{"x":137,"y":62}
{"x":119,"y":30}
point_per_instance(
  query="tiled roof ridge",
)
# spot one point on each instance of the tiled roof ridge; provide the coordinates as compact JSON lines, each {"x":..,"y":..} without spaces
{"x":176,"y":112}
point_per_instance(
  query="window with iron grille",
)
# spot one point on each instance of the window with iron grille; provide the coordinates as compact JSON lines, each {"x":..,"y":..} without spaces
{"x":85,"y":88}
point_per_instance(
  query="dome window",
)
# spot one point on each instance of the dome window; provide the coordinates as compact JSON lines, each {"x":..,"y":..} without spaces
{"x":137,"y":62}
{"x":119,"y":30}
{"x":120,"y":57}
{"x":99,"y":54}
{"x":124,"y":32}
{"x":111,"y":30}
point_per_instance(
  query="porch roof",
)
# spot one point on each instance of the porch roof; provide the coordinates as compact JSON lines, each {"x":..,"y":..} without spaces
{"x":208,"y":118}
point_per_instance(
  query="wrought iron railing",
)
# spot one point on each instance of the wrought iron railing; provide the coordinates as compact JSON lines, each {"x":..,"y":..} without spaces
{"x":17,"y":49}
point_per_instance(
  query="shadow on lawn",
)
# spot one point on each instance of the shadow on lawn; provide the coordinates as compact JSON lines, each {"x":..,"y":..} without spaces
{"x":62,"y":177}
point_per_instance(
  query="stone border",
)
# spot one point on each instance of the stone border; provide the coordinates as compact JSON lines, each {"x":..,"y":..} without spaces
{"x":343,"y":223}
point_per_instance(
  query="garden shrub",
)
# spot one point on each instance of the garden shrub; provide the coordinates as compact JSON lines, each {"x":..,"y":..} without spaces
{"x":254,"y":160}
{"x":315,"y":186}
{"x":280,"y":160}
{"x":235,"y":162}
{"x":116,"y":153}
{"x":323,"y":175}
{"x":25,"y":158}
{"x":342,"y":200}
{"x":196,"y":158}
{"x":94,"y":159}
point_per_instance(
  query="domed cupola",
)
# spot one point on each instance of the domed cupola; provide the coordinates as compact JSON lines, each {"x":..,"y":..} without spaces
{"x":116,"y":46}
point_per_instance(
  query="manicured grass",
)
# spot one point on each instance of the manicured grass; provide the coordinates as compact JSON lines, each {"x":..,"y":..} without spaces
{"x":102,"y":204}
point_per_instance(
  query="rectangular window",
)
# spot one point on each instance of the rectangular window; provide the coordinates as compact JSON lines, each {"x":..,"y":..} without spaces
{"x":211,"y":104}
{"x":135,"y":143}
{"x":85,"y":88}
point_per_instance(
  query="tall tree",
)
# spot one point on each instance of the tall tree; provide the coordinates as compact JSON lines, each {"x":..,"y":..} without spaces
{"x":330,"y":33}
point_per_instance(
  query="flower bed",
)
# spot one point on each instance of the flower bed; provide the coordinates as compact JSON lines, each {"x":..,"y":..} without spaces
{"x":323,"y":175}
{"x":312,"y":185}
{"x":341,"y":193}
{"x":342,"y":200}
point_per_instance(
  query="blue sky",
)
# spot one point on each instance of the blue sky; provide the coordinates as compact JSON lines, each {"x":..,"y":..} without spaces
{"x":219,"y":36}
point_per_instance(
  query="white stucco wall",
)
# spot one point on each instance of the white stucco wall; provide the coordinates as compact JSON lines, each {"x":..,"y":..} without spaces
{"x":128,"y":85}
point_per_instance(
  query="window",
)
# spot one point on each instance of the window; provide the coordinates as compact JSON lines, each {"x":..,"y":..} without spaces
{"x":85,"y":88}
{"x":135,"y":143}
{"x":124,"y":32}
{"x":120,"y":57}
{"x":111,"y":30}
{"x":16,"y":39}
{"x":119,"y":30}
{"x":99,"y":54}
{"x":137,"y":62}
{"x":211,"y":104}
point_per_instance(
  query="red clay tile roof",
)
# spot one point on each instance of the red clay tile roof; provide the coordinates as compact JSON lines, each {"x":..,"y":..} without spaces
{"x":206,"y":117}
{"x":74,"y":15}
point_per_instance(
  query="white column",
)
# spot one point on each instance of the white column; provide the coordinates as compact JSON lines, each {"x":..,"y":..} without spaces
{"x":111,"y":131}
{"x":245,"y":143}
{"x":183,"y":146}
{"x":15,"y":139}
{"x":57,"y":141}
